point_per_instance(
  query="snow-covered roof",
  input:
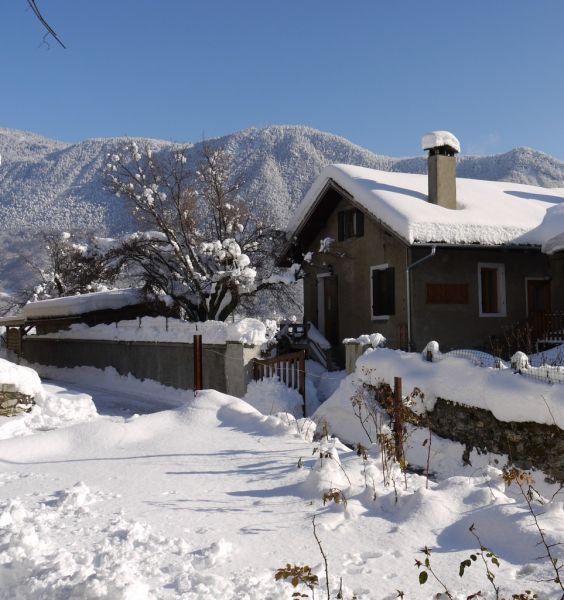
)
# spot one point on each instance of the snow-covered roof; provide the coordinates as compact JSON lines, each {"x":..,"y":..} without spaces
{"x":84,"y":303}
{"x":434,"y":139}
{"x":489,"y":212}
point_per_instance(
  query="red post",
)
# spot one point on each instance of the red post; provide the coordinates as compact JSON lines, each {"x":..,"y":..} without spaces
{"x":398,"y":426}
{"x":198,"y":379}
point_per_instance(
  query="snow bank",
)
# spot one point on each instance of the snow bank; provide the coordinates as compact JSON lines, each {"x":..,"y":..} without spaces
{"x":271,"y":396}
{"x":372,"y":339}
{"x":146,"y":390}
{"x":507,"y":395}
{"x":25,"y":380}
{"x":83,"y":303}
{"x":50,"y":410}
{"x":161,"y":329}
{"x":206,"y":501}
{"x":118,"y":558}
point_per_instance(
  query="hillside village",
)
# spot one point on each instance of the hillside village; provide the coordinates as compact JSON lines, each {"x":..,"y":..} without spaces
{"x":391,"y":428}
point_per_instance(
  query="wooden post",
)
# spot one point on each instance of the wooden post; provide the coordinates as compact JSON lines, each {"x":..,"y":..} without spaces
{"x":398,"y":425}
{"x":198,"y":379}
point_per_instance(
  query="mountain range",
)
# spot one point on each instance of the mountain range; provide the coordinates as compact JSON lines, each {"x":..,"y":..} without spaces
{"x":47,"y":184}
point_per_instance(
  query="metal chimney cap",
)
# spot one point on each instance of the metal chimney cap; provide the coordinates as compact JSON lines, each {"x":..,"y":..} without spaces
{"x":437,"y":139}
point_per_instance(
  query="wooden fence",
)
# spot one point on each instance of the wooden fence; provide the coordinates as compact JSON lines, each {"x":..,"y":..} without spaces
{"x":547,"y":327}
{"x":289,"y":368}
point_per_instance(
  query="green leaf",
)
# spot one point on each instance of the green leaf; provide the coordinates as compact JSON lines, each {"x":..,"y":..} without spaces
{"x":423,"y":577}
{"x":463,"y":565}
{"x":495,"y":561}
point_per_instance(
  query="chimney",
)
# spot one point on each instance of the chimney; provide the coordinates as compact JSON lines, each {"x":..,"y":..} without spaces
{"x":441,"y":167}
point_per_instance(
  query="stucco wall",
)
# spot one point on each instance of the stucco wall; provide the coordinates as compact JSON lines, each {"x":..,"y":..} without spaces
{"x":460,"y":325}
{"x":225,"y":367}
{"x":351,"y":260}
{"x":557,"y":283}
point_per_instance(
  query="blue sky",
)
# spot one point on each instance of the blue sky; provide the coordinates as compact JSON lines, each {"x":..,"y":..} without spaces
{"x":378,"y":73}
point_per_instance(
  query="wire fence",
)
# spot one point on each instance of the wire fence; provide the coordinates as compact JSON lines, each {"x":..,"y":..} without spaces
{"x":547,"y":367}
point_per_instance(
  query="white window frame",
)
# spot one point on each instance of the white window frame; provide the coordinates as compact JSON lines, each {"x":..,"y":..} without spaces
{"x":501,"y":296}
{"x":373,"y":317}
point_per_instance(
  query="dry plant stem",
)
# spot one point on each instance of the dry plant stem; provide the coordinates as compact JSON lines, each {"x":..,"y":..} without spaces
{"x":527,"y":495}
{"x":362,"y":421}
{"x":428,"y":460}
{"x":490,"y":575}
{"x":326,"y":565}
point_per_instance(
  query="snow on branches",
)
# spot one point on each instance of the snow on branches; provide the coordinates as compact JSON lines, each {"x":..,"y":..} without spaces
{"x":203,"y":245}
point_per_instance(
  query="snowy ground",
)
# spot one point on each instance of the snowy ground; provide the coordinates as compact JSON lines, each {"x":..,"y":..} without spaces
{"x":207,"y":500}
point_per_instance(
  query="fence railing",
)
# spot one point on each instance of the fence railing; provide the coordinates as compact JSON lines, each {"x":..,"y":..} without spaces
{"x":547,"y":327}
{"x":520,"y":363}
{"x":289,"y":368}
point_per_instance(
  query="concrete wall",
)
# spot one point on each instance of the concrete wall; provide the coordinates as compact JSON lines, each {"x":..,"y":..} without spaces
{"x":226,"y":367}
{"x":460,"y":325}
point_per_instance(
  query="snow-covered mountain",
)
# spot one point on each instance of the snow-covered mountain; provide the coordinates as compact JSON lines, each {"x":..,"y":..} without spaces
{"x":46,"y":184}
{"x":50,"y":184}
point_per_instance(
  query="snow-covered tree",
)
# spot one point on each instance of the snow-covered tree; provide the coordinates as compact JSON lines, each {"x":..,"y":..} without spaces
{"x":72,"y":267}
{"x":202,"y":244}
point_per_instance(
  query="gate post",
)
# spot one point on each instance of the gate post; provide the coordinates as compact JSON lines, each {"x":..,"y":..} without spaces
{"x":398,"y":425}
{"x":198,"y":369}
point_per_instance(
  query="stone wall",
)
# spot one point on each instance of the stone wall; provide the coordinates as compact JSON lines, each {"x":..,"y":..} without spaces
{"x":13,"y":402}
{"x":528,"y":445}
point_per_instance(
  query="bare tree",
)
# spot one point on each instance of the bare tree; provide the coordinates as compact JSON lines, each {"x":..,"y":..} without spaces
{"x":204,"y":245}
{"x":49,"y":30}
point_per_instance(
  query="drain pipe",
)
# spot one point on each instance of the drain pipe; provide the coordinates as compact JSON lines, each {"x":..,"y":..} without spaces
{"x":408,"y":291}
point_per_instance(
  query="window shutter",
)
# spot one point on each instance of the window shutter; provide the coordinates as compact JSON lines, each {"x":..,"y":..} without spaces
{"x":389,"y":291}
{"x":341,"y":226}
{"x":359,"y":223}
{"x":375,"y":292}
{"x":447,"y":293}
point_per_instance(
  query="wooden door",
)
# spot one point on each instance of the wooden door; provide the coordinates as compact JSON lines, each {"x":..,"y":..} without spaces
{"x":538,"y":296}
{"x":331,"y":305}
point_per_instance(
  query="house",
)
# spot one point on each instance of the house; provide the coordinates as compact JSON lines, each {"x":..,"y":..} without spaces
{"x":426,"y":257}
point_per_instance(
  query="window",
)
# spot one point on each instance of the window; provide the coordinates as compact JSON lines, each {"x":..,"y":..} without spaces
{"x":447,"y":293}
{"x":351,"y":224}
{"x":491,"y":289}
{"x":382,"y":291}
